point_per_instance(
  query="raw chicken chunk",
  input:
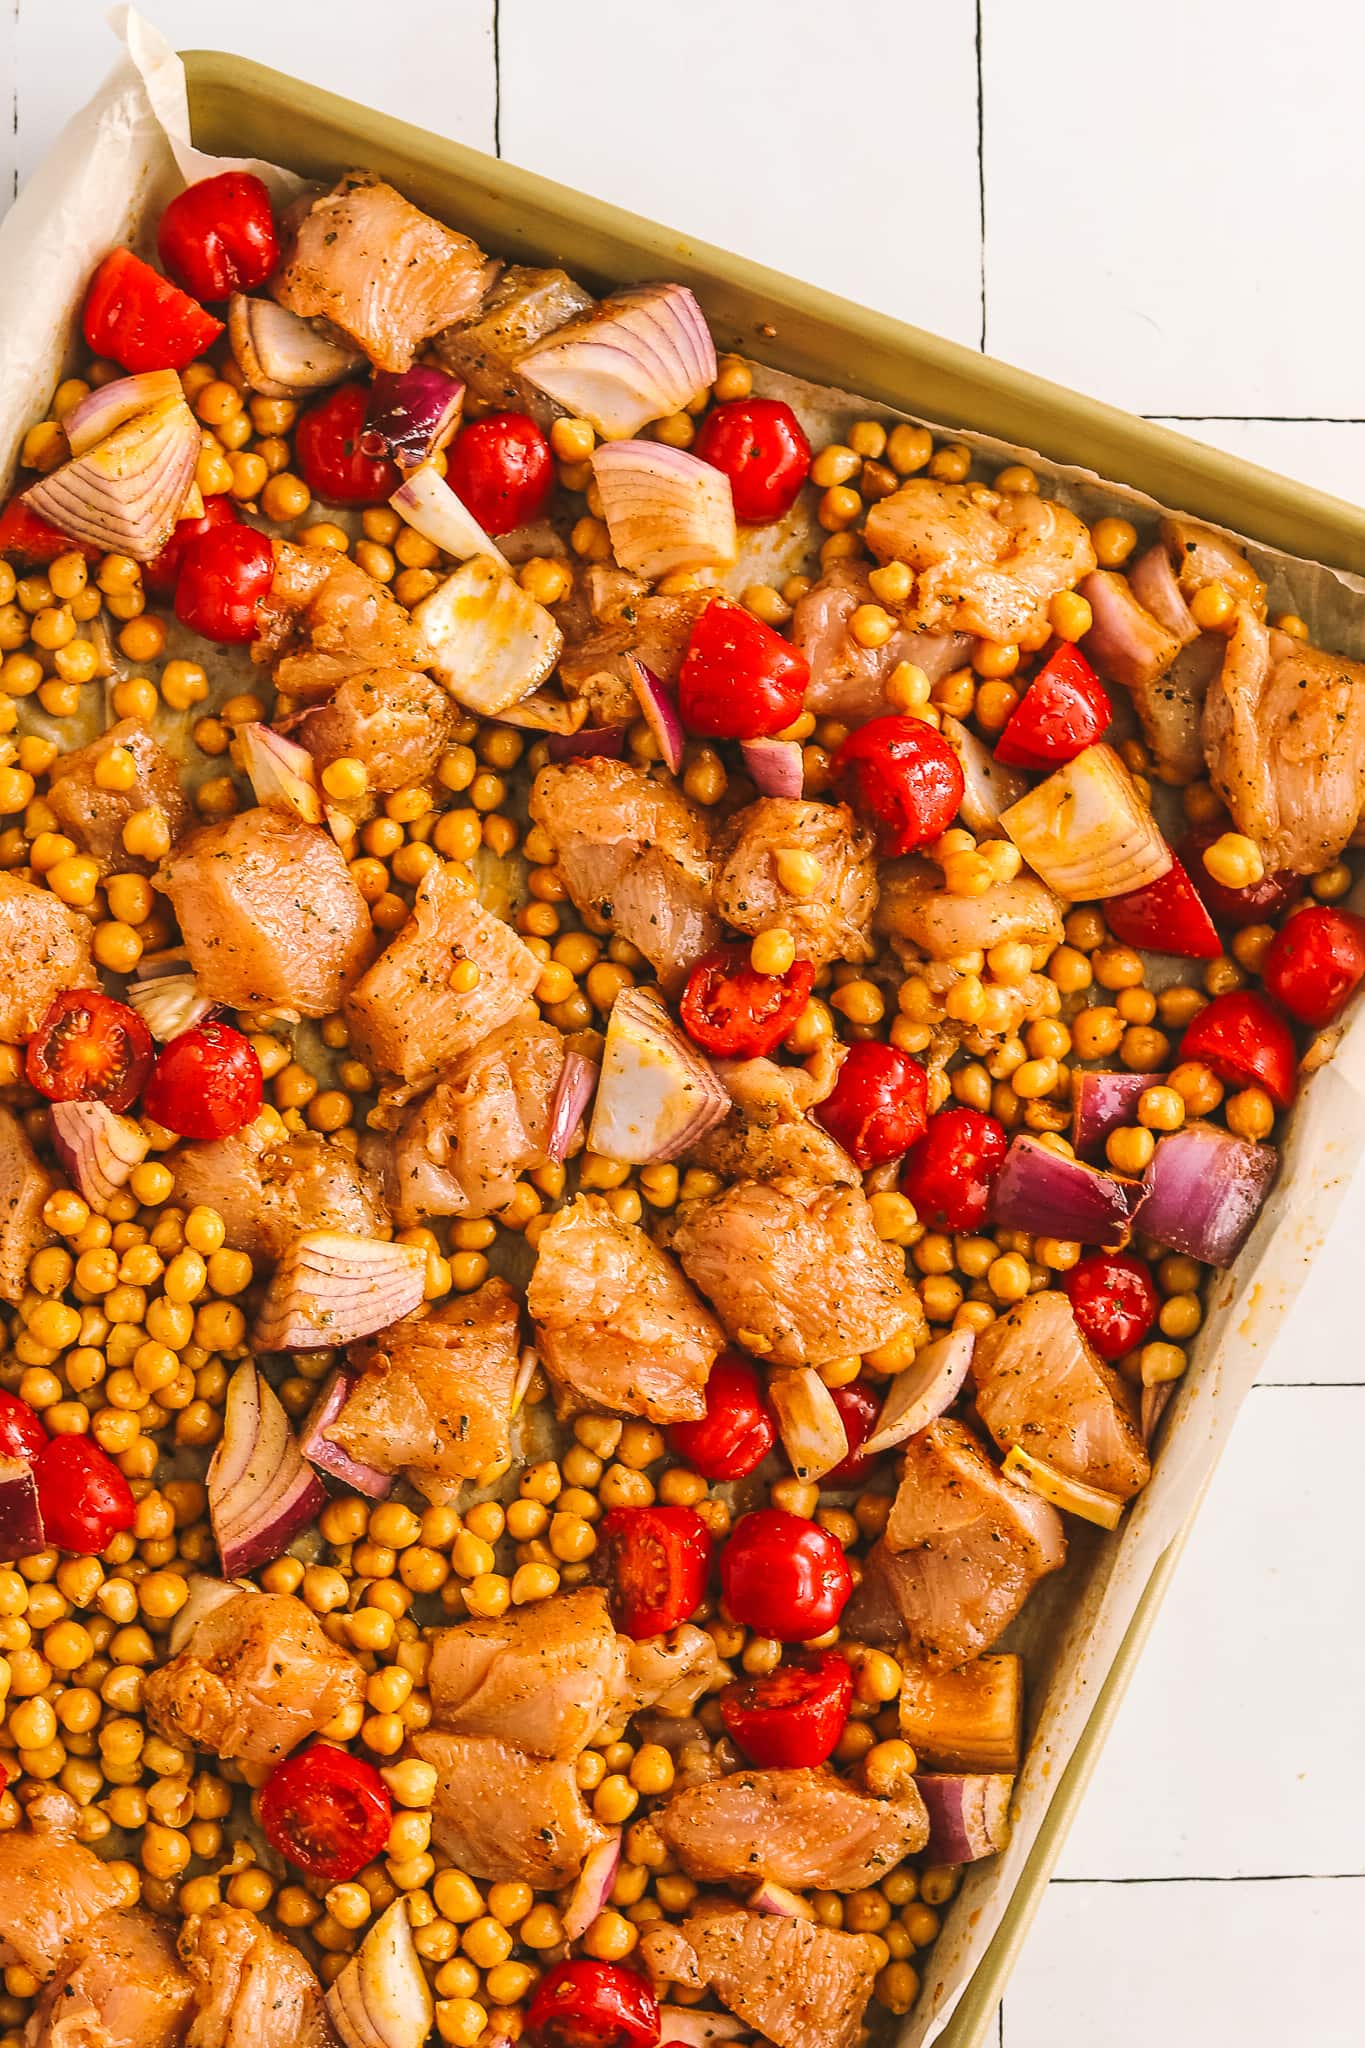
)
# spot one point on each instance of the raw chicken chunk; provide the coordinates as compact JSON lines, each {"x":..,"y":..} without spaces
{"x":120,"y":1985}
{"x":651,"y":628}
{"x":95,"y":817}
{"x":848,"y":682}
{"x":544,"y":1677}
{"x":915,"y":905}
{"x":324,"y":619}
{"x":252,"y":1987}
{"x":396,"y":721}
{"x":44,"y":948}
{"x":505,"y":1816}
{"x":832,"y":921}
{"x":796,"y":1983}
{"x":667,"y":1673}
{"x":1202,"y":556}
{"x":1039,"y":1384}
{"x":269,"y":1185}
{"x":772,"y":1132}
{"x":808,"y":1829}
{"x":52,"y":1889}
{"x":25,"y":1185}
{"x":524,"y":306}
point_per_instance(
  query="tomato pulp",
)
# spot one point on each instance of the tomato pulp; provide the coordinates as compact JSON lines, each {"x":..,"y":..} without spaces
{"x":1316,"y":963}
{"x":658,"y":1560}
{"x":83,"y":1498}
{"x":1246,"y":1042}
{"x":502,"y":470}
{"x":218,"y":236}
{"x":141,"y":320}
{"x":586,"y":2004}
{"x":329,"y":1812}
{"x":784,"y":1576}
{"x":949,"y":1174}
{"x":730,"y":1009}
{"x":89,"y":1048}
{"x":904,"y":776}
{"x":737,"y":1431}
{"x":793,"y":1718}
{"x":224,"y":573}
{"x":878,"y":1106}
{"x":1113,"y":1300}
{"x":760,"y":446}
{"x":331,"y":460}
{"x":207,"y":1083}
{"x":739,"y":680}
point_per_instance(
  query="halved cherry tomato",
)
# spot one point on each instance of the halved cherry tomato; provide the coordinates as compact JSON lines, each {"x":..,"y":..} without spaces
{"x":1315,"y":964}
{"x":1257,"y":904}
{"x":83,"y":1498}
{"x":141,"y":319}
{"x":949,"y":1174}
{"x":784,"y":1576}
{"x":1061,"y":713}
{"x":332,"y":462}
{"x":218,"y":236}
{"x":903,"y":775}
{"x":24,"y":534}
{"x":730,"y":1009}
{"x":161,"y":574}
{"x":1113,"y":1300}
{"x":877,"y":1108}
{"x":1246,"y":1042}
{"x":858,"y":1410}
{"x":1168,"y":916}
{"x":658,"y":1560}
{"x":792,"y":1719}
{"x":206,"y":1083}
{"x":329,"y":1812}
{"x":737,"y":1431}
{"x":224,"y":573}
{"x":739,"y":680}
{"x":502,"y":470}
{"x":586,"y":2004}
{"x":21,"y":1433}
{"x":760,"y":446}
{"x":89,"y":1048}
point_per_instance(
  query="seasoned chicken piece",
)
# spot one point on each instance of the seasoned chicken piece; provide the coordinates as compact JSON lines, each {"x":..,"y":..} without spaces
{"x":269,"y":913}
{"x":396,"y":721}
{"x":1165,"y":667}
{"x":669,"y":1956}
{"x":809,"y":1829}
{"x":668,"y":1674}
{"x":386,"y":274}
{"x":44,"y":948}
{"x":434,"y":1399}
{"x":324,"y":619}
{"x":524,"y":306}
{"x":120,"y":1985}
{"x":1039,"y":1384}
{"x":52,"y":1889}
{"x":25,"y":1185}
{"x":95,"y":817}
{"x":1171,"y":708}
{"x":633,"y":853}
{"x":989,"y":567}
{"x":617,"y":1326}
{"x":848,"y":682}
{"x":406,"y":1015}
{"x":963,"y":1546}
{"x":1284,"y":733}
{"x":543,"y":1677}
{"x":915,"y":905}
{"x":772,"y":1132}
{"x":1202,"y":556}
{"x":831,"y":921}
{"x":795,"y":1272}
{"x":1125,"y":642}
{"x":252,"y":1987}
{"x":505,"y":1816}
{"x":655,"y":629}
{"x":270,"y":1185}
{"x":796,"y":1983}
{"x":255,"y":1679}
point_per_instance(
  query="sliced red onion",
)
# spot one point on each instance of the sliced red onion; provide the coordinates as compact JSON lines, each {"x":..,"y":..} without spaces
{"x":659,"y":708}
{"x":432,"y":509}
{"x":280,"y":771}
{"x":1049,"y":1195}
{"x":1153,"y":583}
{"x":809,"y":1424}
{"x":1204,"y":1191}
{"x":168,"y":1003}
{"x":546,"y":711}
{"x":778,"y":767}
{"x":412,"y":414}
{"x":569,"y":1103}
{"x":525,"y":1373}
{"x":1155,"y":1401}
{"x":969,"y":1815}
{"x":593,"y":1889}
{"x":642,"y":354}
{"x":332,"y":1287}
{"x":657,"y":1094}
{"x":491,"y":643}
{"x":692,"y":2028}
{"x":600,"y":742}
{"x":260,"y":1491}
{"x":665,"y":509}
{"x":769,"y":1897}
{"x":126,"y":492}
{"x":98,"y":1148}
{"x":21,"y":1523}
{"x":1087,"y":830}
{"x":204,"y":1596}
{"x":110,"y":406}
{"x":1105,"y":1102}
{"x":382,"y":1999}
{"x":988,"y":786}
{"x":329,"y":1457}
{"x":280,"y":355}
{"x":924,"y":1391}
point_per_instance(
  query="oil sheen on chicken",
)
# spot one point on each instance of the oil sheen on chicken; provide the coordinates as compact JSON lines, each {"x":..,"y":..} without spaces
{"x":544,"y":1677}
{"x":120,"y":1985}
{"x":324,"y":619}
{"x":829,"y":923}
{"x":505,"y":1816}
{"x":44,"y":948}
{"x":252,"y":1988}
{"x":847,"y":681}
{"x":981,"y":567}
{"x":1039,"y":1384}
{"x":395,"y":721}
{"x":796,"y":1983}
{"x":95,"y":817}
{"x":807,"y":1829}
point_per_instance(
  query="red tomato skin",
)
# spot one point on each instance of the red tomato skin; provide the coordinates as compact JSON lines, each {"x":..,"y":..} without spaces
{"x":903,"y":775}
{"x":792,"y":1719}
{"x":224,"y":574}
{"x":1113,"y":1300}
{"x":21,"y":1433}
{"x":586,"y":2004}
{"x":738,"y":1429}
{"x":330,"y":458}
{"x":218,"y":236}
{"x":730,"y":1009}
{"x":658,"y":1561}
{"x":339,"y":1797}
{"x":784,"y":1576}
{"x":1063,"y":711}
{"x":759,"y":444}
{"x":501,"y":470}
{"x":739,"y":680}
{"x":141,"y":320}
{"x":949,"y":1174}
{"x":161,"y":574}
{"x":83,"y":1498}
{"x":1246,"y":1042}
{"x":24,"y":534}
{"x":1316,"y":963}
{"x":89,"y":1048}
{"x":1257,"y":904}
{"x":207,"y":1083}
{"x":1168,"y":916}
{"x":858,"y":1410}
{"x":878,"y":1106}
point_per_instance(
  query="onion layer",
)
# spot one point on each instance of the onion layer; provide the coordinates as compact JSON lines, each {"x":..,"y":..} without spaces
{"x":1073,"y":1496}
{"x":319,"y":1449}
{"x":989,"y":786}
{"x":491,"y":643}
{"x":809,"y":1424}
{"x":768,"y":1897}
{"x":590,"y":742}
{"x":382,"y":1999}
{"x":923,"y":1392}
{"x":1101,"y":1103}
{"x":657,"y":1094}
{"x":1086,"y":830}
{"x":332,"y":1287}
{"x":665,"y":509}
{"x":204,"y":1596}
{"x":593,"y":1890}
{"x":127,"y":491}
{"x":110,"y":406}
{"x":971,"y":1719}
{"x":98,"y":1148}
{"x":412,"y":414}
{"x":169,"y":1004}
{"x":432,"y":509}
{"x":692,"y":2028}
{"x":778,"y":767}
{"x":1204,"y":1191}
{"x":281,"y":772}
{"x":280,"y":355}
{"x":639,"y":356}
{"x":969,"y":1816}
{"x":260,"y":1491}
{"x":568,"y":1104}
{"x":659,"y":707}
{"x":1049,"y":1195}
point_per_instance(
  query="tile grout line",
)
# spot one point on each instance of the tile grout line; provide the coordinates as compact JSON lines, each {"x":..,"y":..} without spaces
{"x":981,"y":170}
{"x":1248,"y":1877}
{"x":497,"y":77}
{"x":14,"y":118}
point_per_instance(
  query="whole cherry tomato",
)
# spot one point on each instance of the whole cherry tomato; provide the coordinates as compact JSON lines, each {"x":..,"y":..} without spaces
{"x":24,"y":534}
{"x":1168,"y":916}
{"x":1246,"y":1042}
{"x":330,"y":457}
{"x":21,"y":1433}
{"x":1061,"y":713}
{"x":858,"y":1410}
{"x":206,"y":1083}
{"x":501,"y":470}
{"x":903,"y":775}
{"x":218,"y":236}
{"x":327,"y":1811}
{"x":784,"y":1576}
{"x":89,"y":1048}
{"x":141,"y":320}
{"x":586,"y":2004}
{"x":730,"y":1009}
{"x":759,"y":444}
{"x":739,"y":680}
{"x":1258,"y":903}
{"x":792,"y":1719}
{"x":83,"y":1498}
{"x":1113,"y":1301}
{"x":161,"y":574}
{"x":224,"y":574}
{"x":1316,"y":963}
{"x":949,"y":1174}
{"x":737,"y":1431}
{"x":877,"y":1108}
{"x":658,"y":1560}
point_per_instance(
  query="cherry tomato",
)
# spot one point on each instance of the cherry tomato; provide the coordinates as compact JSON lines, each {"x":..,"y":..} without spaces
{"x":329,"y":1812}
{"x":83,"y":1498}
{"x":739,"y":680}
{"x":737,"y":1431}
{"x":89,"y":1048}
{"x":877,"y":1108}
{"x":332,"y":462}
{"x":792,"y":1719}
{"x":1246,"y":1042}
{"x":224,"y":574}
{"x":161,"y":574}
{"x":587,"y":2004}
{"x":730,"y":1009}
{"x":1061,"y":713}
{"x":658,"y":1560}
{"x":21,"y":1433}
{"x":1257,"y":904}
{"x":502,"y":470}
{"x":759,"y":445}
{"x":206,"y":1083}
{"x":784,"y":1576}
{"x":1113,"y":1301}
{"x":142,"y":320}
{"x":1316,"y":963}
{"x":1167,"y":916}
{"x":24,"y":534}
{"x":903,"y":775}
{"x":218,"y":236}
{"x":950,"y":1173}
{"x":858,"y":1410}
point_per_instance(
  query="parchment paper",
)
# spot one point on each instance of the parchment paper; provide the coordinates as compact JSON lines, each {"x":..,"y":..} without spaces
{"x":114,"y":167}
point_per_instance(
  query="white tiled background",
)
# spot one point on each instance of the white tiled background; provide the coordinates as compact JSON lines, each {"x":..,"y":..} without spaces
{"x":1161,"y":205}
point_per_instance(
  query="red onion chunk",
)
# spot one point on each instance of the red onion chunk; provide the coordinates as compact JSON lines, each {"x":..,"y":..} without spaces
{"x":1103,"y":1103}
{"x":777,"y":766}
{"x":332,"y":1286}
{"x":1204,"y":1191}
{"x":659,"y":708}
{"x":593,"y":1889}
{"x":109,"y":405}
{"x":125,"y":493}
{"x":590,"y":742}
{"x":640,"y":355}
{"x":769,"y":1897}
{"x":21,"y":1524}
{"x":665,"y":509}
{"x":98,"y":1149}
{"x":568,"y":1106}
{"x":281,"y":355}
{"x":923,"y":1392}
{"x":1049,"y":1195}
{"x":1155,"y":1401}
{"x":969,"y":1815}
{"x":1153,"y":583}
{"x":261,"y":1493}
{"x":412,"y":414}
{"x":431,"y":508}
{"x":204,"y":1595}
{"x":319,"y":1449}
{"x":657,"y":1095}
